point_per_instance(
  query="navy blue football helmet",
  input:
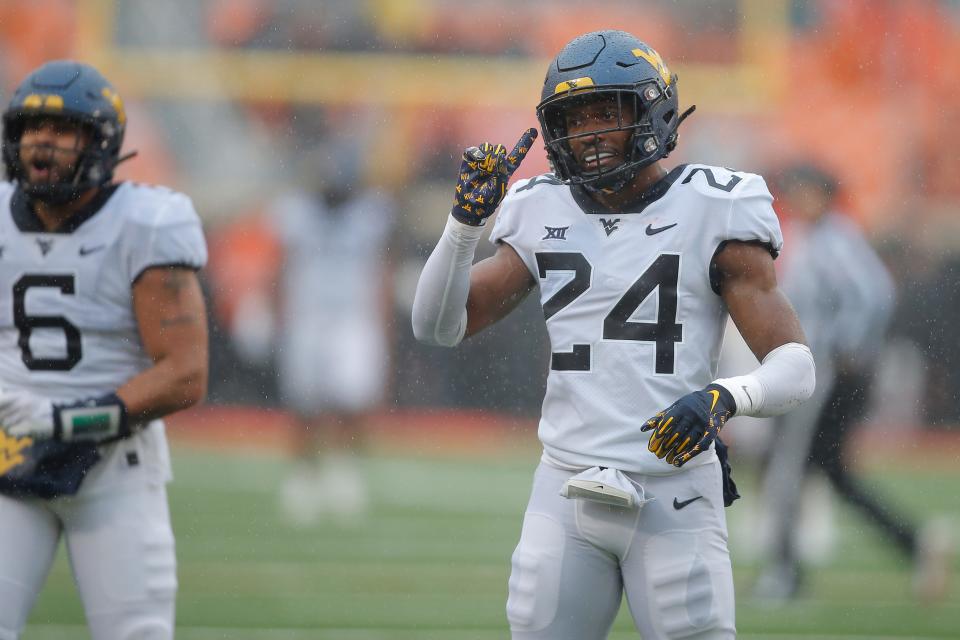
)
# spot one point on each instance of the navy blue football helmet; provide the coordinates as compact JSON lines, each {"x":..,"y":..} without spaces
{"x":76,"y":92}
{"x":614,"y":66}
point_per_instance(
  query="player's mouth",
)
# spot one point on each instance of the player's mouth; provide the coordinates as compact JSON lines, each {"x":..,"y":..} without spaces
{"x":597,"y":160}
{"x":41,"y":170}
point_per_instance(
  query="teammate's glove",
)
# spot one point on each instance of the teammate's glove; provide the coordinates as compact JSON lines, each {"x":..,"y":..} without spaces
{"x":484,"y":174}
{"x":23,"y":414}
{"x":687,"y":427}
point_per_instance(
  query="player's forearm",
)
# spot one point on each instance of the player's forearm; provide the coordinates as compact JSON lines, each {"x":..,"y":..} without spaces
{"x":785,"y":380}
{"x":172,"y":320}
{"x":171,"y":385}
{"x":439,"y":307}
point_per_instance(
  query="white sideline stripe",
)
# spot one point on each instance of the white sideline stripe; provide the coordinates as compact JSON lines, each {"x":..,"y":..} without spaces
{"x":58,"y":632}
{"x":49,"y":631}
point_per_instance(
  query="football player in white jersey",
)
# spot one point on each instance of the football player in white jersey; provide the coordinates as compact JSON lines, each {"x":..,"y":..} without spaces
{"x":102,"y":332}
{"x":638,"y":269}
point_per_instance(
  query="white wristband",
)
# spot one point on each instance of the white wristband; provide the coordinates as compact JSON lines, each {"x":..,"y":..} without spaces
{"x":784,"y":381}
{"x":440,"y":305}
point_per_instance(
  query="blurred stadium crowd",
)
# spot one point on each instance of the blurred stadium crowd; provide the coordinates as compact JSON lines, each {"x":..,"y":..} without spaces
{"x":242,"y":103}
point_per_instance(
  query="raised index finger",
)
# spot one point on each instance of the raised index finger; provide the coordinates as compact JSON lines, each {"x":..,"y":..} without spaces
{"x":515,"y":157}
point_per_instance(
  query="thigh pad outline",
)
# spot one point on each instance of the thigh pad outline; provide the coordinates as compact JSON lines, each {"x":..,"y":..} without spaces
{"x":688,"y":586}
{"x":535,"y":577}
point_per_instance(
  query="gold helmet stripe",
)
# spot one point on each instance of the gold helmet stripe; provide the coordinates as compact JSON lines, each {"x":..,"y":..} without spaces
{"x":572,"y":85}
{"x":46,"y":101}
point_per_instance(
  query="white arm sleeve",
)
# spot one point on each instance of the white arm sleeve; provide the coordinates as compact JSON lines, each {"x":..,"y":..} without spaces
{"x":440,"y":304}
{"x":784,"y":380}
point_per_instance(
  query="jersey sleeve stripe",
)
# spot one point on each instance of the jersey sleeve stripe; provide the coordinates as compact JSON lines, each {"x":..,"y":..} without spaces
{"x":165,"y":265}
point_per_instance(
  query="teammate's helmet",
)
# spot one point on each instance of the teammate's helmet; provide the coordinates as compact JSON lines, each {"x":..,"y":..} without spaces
{"x":616,"y":66}
{"x":76,"y":92}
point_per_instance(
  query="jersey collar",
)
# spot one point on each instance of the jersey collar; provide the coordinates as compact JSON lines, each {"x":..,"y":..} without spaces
{"x":648,"y":197}
{"x":29,"y":222}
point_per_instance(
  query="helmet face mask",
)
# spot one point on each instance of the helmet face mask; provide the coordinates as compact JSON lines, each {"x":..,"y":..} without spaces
{"x":81,"y":98}
{"x":616,"y":67}
{"x":555,"y":114}
{"x":66,"y":164}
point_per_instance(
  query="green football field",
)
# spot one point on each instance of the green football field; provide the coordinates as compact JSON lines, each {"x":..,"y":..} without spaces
{"x":432,"y":561}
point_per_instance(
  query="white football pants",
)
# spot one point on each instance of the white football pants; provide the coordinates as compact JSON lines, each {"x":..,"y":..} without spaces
{"x":121,"y":550}
{"x":576,"y":558}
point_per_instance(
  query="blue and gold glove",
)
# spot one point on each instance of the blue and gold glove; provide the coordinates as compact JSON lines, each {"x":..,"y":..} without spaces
{"x":689,"y":426}
{"x":47,"y":449}
{"x":484,"y":174}
{"x":44,"y":468}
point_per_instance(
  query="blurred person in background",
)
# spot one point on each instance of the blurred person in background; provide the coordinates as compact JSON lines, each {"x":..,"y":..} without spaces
{"x":332,"y":346}
{"x":844,"y":297}
{"x":103,"y":334}
{"x":638,"y":268}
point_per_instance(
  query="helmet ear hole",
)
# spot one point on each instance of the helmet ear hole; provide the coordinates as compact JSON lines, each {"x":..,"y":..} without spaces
{"x":668,"y":116}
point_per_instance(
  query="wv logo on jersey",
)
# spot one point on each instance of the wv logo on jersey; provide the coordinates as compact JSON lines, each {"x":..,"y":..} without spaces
{"x":11,"y":451}
{"x":45,"y":245}
{"x":555,"y":233}
{"x":609,"y":225}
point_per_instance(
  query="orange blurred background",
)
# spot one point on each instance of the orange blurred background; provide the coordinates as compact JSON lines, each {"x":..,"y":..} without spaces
{"x":228,"y":100}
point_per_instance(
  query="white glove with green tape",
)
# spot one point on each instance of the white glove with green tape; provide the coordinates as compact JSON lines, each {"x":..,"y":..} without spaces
{"x":24,"y":414}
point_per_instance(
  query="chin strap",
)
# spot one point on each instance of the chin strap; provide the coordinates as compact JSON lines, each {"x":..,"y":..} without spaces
{"x":672,"y":142}
{"x":126,"y":156}
{"x":630,"y":174}
{"x":685,"y":114}
{"x":63,"y":193}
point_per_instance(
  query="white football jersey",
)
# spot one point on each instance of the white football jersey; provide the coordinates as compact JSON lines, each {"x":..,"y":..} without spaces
{"x":632,"y":308}
{"x":67,"y":324}
{"x":332,"y":298}
{"x":333,"y":257}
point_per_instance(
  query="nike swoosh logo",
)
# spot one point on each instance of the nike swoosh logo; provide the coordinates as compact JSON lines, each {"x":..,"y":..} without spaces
{"x":716,"y":396}
{"x":652,"y":232}
{"x":85,"y":251}
{"x":680,"y":505}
